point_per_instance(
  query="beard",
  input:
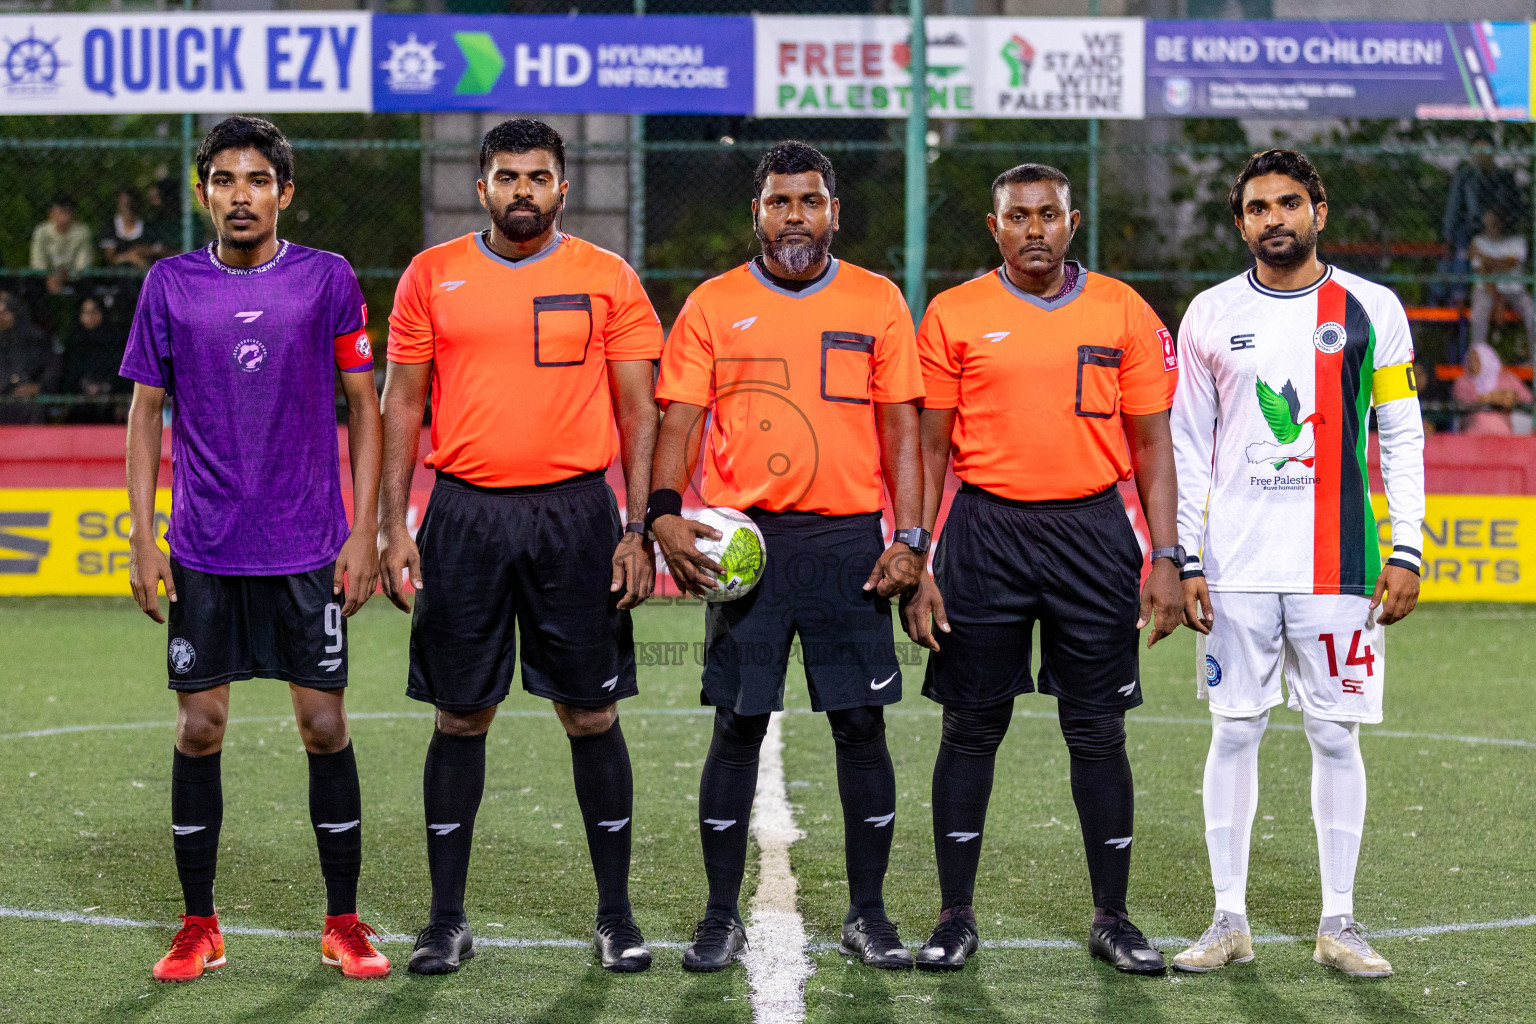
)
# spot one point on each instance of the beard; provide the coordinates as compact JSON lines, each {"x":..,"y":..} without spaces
{"x":244,"y":244}
{"x":523,"y":229}
{"x":796,"y":256}
{"x":1300,"y":249}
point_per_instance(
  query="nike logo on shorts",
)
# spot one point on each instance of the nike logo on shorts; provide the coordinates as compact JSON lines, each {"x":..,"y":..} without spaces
{"x":880,"y":686}
{"x":610,"y":684}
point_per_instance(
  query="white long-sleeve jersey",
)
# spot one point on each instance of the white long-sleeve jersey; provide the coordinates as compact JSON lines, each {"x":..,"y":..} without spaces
{"x":1270,"y":424}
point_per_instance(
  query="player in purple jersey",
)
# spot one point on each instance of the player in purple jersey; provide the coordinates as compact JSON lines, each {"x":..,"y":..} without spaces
{"x":246,"y":335}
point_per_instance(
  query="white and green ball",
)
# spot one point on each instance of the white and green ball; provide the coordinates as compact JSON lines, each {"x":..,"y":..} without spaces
{"x":740,"y":550}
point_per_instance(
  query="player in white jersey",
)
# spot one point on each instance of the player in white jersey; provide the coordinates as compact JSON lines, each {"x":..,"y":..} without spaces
{"x":1280,"y":370}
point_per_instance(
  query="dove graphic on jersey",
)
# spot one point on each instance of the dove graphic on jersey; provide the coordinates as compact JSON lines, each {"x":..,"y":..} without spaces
{"x":1295,"y":438}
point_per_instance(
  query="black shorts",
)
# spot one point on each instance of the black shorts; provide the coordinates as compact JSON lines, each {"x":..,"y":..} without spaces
{"x":1072,"y":566}
{"x":812,"y":585}
{"x":539,"y":556}
{"x":224,"y":628}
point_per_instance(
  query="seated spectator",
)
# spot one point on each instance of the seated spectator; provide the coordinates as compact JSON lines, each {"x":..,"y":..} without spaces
{"x":1488,"y":391}
{"x":27,"y":362}
{"x":131,"y":242}
{"x":1495,"y":253}
{"x":61,"y":245}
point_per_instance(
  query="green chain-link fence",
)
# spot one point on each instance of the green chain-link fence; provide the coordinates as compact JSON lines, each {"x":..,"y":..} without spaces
{"x":1406,"y":198}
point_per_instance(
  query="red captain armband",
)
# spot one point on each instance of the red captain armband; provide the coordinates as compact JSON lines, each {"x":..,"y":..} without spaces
{"x":353,"y":352}
{"x":1170,"y":352}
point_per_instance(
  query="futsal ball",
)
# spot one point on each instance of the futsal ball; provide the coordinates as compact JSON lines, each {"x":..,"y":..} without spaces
{"x":740,"y":550}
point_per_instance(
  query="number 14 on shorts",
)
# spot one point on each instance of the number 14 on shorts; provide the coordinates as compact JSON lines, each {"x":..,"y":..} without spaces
{"x":1356,"y":657}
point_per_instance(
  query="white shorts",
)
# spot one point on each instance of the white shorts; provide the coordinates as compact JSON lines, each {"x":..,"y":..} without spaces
{"x":1329,"y":647}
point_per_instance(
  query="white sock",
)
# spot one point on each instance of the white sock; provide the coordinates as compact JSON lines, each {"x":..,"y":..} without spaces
{"x":1338,"y":808}
{"x":1231,"y":799}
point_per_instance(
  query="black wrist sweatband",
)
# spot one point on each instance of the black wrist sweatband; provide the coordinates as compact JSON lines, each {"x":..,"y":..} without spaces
{"x":664,"y":502}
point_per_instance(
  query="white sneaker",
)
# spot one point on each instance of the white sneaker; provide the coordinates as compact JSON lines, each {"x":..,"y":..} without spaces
{"x":1347,"y":950}
{"x":1220,"y":945}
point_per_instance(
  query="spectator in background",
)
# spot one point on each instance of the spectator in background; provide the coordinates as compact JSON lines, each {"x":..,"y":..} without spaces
{"x":61,"y":245}
{"x":27,"y":362}
{"x":1479,"y":185}
{"x":1487,"y":391}
{"x":164,"y":215}
{"x":1493,"y":253}
{"x":131,"y":240}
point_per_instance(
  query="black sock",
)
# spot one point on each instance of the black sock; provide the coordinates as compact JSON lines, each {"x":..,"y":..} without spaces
{"x":452,"y":784}
{"x":336,"y":811}
{"x":725,"y":803}
{"x":962,"y":787}
{"x":605,"y":789}
{"x":866,"y":781}
{"x":1105,"y":797}
{"x":197,"y":812}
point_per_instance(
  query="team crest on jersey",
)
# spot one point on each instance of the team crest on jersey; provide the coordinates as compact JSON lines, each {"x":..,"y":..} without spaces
{"x":250,"y":354}
{"x":1329,"y":338}
{"x":183,"y":656}
{"x":1212,"y":671}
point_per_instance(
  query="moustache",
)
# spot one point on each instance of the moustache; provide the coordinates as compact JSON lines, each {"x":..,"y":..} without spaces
{"x":240,"y":212}
{"x":1277,"y":233}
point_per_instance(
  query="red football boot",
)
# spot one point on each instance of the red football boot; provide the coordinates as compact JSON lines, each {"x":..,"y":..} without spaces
{"x":344,"y":944}
{"x":197,"y":947}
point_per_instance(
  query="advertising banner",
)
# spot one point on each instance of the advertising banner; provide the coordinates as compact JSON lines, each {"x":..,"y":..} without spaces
{"x":814,"y":66}
{"x":587,"y":64}
{"x":184,"y":62}
{"x":1318,"y":69}
{"x":69,"y":540}
{"x":1476,"y":547}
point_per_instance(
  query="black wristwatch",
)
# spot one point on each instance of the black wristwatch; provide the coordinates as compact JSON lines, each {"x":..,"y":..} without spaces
{"x":916,"y":538}
{"x":636,"y":528}
{"x":1175,"y":554}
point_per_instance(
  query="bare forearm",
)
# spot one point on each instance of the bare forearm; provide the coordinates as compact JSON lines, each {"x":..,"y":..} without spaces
{"x":1156,"y":479}
{"x":144,"y":430}
{"x":639,"y":423}
{"x":365,"y":452}
{"x":405,"y":398}
{"x":681,"y":428}
{"x":901,"y":461}
{"x":934,"y":430}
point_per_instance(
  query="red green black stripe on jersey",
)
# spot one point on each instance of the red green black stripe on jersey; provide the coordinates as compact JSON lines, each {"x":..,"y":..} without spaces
{"x":1345,"y":557}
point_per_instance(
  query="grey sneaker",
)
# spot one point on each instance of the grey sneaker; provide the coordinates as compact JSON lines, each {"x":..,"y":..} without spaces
{"x":1220,"y":945}
{"x":1347,"y":950}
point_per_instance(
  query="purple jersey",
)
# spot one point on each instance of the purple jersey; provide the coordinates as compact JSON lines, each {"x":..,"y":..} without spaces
{"x":250,"y":357}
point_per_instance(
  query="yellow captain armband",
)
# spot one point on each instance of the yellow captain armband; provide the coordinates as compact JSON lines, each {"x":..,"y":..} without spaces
{"x":1390,"y":383}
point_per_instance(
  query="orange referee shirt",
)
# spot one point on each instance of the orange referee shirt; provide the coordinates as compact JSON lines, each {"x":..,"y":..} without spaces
{"x":519,"y":355}
{"x":791,"y":378}
{"x":1038,"y":387}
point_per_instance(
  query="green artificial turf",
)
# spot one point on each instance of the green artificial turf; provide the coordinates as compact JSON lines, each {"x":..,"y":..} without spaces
{"x":84,"y":830}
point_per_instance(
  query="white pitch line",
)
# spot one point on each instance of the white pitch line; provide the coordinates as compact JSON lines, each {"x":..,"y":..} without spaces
{"x":64,"y":730}
{"x":104,"y":921}
{"x":776,"y":963}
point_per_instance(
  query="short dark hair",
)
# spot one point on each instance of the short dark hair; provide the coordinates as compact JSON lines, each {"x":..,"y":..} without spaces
{"x":1028,"y":174}
{"x":63,"y":203}
{"x":522,"y":135}
{"x":240,"y":132}
{"x":1277,"y":161}
{"x":792,"y":157}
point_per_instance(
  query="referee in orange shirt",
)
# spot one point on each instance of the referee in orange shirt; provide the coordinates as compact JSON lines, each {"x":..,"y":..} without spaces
{"x":798,"y":372}
{"x":1037,"y":376}
{"x":536,"y":345}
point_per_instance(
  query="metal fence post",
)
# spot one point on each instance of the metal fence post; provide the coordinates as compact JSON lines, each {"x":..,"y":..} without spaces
{"x":1093,"y":175}
{"x":187,"y":152}
{"x":917,"y":168}
{"x":637,"y":181}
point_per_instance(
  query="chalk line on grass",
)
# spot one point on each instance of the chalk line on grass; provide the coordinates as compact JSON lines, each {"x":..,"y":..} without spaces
{"x":777,"y":967}
{"x":64,"y":730}
{"x":107,"y":921}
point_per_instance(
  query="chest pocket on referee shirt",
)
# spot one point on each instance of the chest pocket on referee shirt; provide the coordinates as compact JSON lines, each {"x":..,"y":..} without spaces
{"x":1098,"y":381}
{"x":562,"y":329}
{"x":845,"y":366}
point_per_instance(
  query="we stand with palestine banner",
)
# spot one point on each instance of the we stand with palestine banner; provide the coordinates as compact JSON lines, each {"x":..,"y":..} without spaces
{"x":764,"y":66}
